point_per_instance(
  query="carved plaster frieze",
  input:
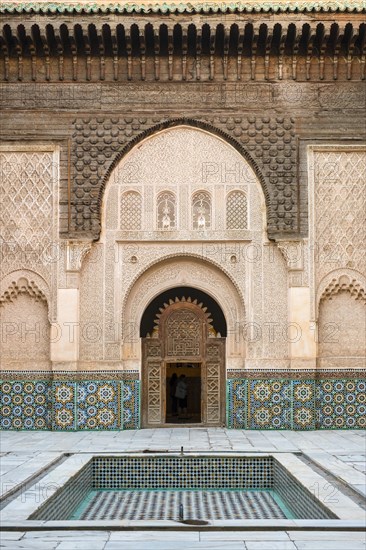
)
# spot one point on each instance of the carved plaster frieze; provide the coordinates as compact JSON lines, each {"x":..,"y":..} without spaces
{"x":342,"y":280}
{"x":137,"y":260}
{"x":22,"y":286}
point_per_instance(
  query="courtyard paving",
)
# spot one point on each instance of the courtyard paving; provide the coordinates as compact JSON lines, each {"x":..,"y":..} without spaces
{"x":25,"y":454}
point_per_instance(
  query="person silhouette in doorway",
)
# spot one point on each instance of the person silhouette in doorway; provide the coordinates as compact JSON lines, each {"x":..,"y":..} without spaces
{"x":173,"y":388}
{"x":181,"y":394}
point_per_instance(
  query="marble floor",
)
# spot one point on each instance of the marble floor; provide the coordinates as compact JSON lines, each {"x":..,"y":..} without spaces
{"x":340,"y":453}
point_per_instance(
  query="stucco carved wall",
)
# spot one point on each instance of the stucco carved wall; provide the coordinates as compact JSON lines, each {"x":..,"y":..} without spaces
{"x":29,"y":214}
{"x":92,"y":305}
{"x":342,"y":331}
{"x":337,"y":241}
{"x":29,"y":251}
{"x":339,"y":210}
{"x":25,"y":342}
{"x":180,"y":163}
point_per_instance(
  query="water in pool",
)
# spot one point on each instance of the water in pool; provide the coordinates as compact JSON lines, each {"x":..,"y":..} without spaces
{"x":172,"y":505}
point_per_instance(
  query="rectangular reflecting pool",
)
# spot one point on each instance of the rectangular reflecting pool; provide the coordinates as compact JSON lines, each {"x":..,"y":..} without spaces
{"x":173,"y":487}
{"x":169,"y":504}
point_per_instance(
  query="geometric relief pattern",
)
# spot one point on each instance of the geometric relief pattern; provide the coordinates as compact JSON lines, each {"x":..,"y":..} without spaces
{"x":184,"y":331}
{"x":213,"y":392}
{"x":97,"y":405}
{"x":154,"y":391}
{"x":131,"y":211}
{"x":25,"y":405}
{"x":276,"y":158}
{"x":26,"y":215}
{"x":341,"y":404}
{"x":236,"y":210}
{"x":340,"y":203}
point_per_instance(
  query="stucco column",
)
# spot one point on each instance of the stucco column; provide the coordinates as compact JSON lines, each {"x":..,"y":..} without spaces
{"x":65,"y":332}
{"x":301,"y":331}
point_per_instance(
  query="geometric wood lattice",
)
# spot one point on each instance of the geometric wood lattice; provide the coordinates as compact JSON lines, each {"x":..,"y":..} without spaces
{"x":154,"y":393}
{"x":183,"y":334}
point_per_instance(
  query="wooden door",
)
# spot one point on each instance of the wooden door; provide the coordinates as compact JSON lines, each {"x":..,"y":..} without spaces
{"x":183,"y":335}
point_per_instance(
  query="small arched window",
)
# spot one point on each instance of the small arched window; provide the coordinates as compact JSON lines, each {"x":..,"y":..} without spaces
{"x":236,"y":210}
{"x":131,"y":211}
{"x":201,"y":210}
{"x":166,"y":211}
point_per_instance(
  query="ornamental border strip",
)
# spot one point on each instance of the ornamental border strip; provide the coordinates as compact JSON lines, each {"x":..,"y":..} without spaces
{"x":249,"y":6}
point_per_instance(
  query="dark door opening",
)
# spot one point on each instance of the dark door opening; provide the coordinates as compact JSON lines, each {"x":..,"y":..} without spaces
{"x":183,"y":393}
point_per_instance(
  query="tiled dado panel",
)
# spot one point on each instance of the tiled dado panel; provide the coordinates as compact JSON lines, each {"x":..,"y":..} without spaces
{"x":65,"y":405}
{"x":252,"y":403}
{"x":26,"y":405}
{"x":304,"y":404}
{"x":341,"y":403}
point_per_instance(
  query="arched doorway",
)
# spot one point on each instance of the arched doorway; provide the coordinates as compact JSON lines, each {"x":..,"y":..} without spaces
{"x":187,"y":342}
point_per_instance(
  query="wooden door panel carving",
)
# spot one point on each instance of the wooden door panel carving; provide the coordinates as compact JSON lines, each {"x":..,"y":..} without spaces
{"x":154,"y":393}
{"x":152,"y":382}
{"x":183,"y":336}
{"x":215,"y":350}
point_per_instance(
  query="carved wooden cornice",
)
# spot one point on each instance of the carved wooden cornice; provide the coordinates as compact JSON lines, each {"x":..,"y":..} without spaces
{"x":139,"y":47}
